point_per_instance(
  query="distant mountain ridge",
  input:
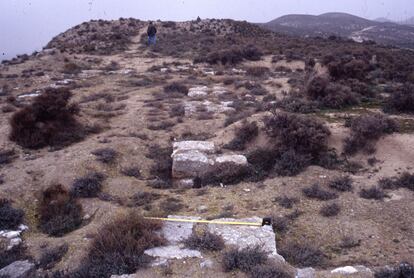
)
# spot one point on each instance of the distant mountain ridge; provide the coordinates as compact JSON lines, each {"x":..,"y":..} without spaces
{"x":344,"y":25}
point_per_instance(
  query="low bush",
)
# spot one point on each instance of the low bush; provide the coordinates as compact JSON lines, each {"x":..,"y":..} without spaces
{"x":287,"y":202}
{"x":330,"y":210}
{"x":373,"y":192}
{"x":330,"y":95}
{"x":257,"y":71}
{"x":48,"y":121}
{"x":402,"y":100}
{"x":71,"y":68}
{"x":171,"y":205}
{"x":59,"y":213}
{"x":342,"y":184}
{"x":403,"y":270}
{"x":118,"y":247}
{"x":10,"y":218}
{"x":162,"y":167}
{"x":18,"y":253}
{"x":177,"y":110}
{"x":406,"y":180}
{"x":243,"y":135}
{"x":262,"y":161}
{"x":143,"y":198}
{"x":176,"y":87}
{"x":269,"y":270}
{"x":131,"y":171}
{"x":305,"y":135}
{"x":316,"y":192}
{"x":88,"y":186}
{"x":8,"y":108}
{"x":231,"y":56}
{"x":302,"y":255}
{"x":259,"y":91}
{"x":296,"y":142}
{"x":105,"y":155}
{"x":366,"y":130}
{"x":205,"y":241}
{"x":52,"y":256}
{"x":280,"y":224}
{"x":297,"y":104}
{"x":348,"y":242}
{"x":291,"y":163}
{"x":244,"y":260}
{"x":6,"y":156}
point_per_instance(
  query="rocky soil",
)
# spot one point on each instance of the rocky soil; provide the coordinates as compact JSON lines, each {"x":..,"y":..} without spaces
{"x":167,"y":127}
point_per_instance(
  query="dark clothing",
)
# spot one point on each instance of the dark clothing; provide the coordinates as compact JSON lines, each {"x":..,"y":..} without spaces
{"x":151,"y":31}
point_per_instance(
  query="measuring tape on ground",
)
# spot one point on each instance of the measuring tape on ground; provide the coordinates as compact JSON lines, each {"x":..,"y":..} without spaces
{"x":265,"y":221}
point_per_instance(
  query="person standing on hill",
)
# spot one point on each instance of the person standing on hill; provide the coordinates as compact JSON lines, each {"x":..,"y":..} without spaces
{"x":151,"y":32}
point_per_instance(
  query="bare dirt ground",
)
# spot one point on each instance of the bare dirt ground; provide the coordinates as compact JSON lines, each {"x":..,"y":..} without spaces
{"x":384,"y":229}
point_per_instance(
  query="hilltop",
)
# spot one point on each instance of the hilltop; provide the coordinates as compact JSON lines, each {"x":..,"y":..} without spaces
{"x":221,"y":119}
{"x":346,"y":26}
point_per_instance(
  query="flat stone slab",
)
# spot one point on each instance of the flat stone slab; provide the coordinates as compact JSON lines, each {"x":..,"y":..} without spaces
{"x":192,"y":159}
{"x":176,"y":232}
{"x":235,"y":159}
{"x":203,"y":146}
{"x":247,"y":236}
{"x":197,"y":92}
{"x":172,"y":252}
{"x":18,"y":269}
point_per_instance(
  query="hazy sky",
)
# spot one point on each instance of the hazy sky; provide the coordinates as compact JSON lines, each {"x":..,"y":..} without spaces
{"x":27,"y":25}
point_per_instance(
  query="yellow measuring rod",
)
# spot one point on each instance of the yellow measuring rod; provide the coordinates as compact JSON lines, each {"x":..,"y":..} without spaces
{"x":207,"y":221}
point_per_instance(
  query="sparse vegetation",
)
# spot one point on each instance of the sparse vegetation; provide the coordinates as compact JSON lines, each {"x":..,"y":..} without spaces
{"x":243,"y":135}
{"x":302,"y":255}
{"x":244,"y":260}
{"x":143,"y":198}
{"x":10,"y":217}
{"x":257,"y":71}
{"x":402,"y":100}
{"x":342,"y":184}
{"x":162,"y":166}
{"x":59,"y":213}
{"x":316,"y":192}
{"x":132,"y":171}
{"x":171,"y":205}
{"x":330,"y":210}
{"x":9,"y":256}
{"x":328,"y":94}
{"x":269,"y":270}
{"x":366,"y":130}
{"x":71,"y":68}
{"x":403,"y":270}
{"x":205,"y":241}
{"x":176,"y":87}
{"x":230,"y":56}
{"x":297,"y":104}
{"x":118,"y":247}
{"x":105,"y":155}
{"x":48,"y":121}
{"x":297,"y":142}
{"x":373,"y":192}
{"x":52,"y":256}
{"x":305,"y":135}
{"x":88,"y":186}
{"x":287,"y":202}
{"x":6,"y":156}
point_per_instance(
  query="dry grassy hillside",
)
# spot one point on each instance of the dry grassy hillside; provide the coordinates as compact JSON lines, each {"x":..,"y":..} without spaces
{"x":88,"y":125}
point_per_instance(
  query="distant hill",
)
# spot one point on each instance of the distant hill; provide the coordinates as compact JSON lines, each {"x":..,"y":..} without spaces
{"x":383,"y":19}
{"x":344,"y":25}
{"x":409,"y":21}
